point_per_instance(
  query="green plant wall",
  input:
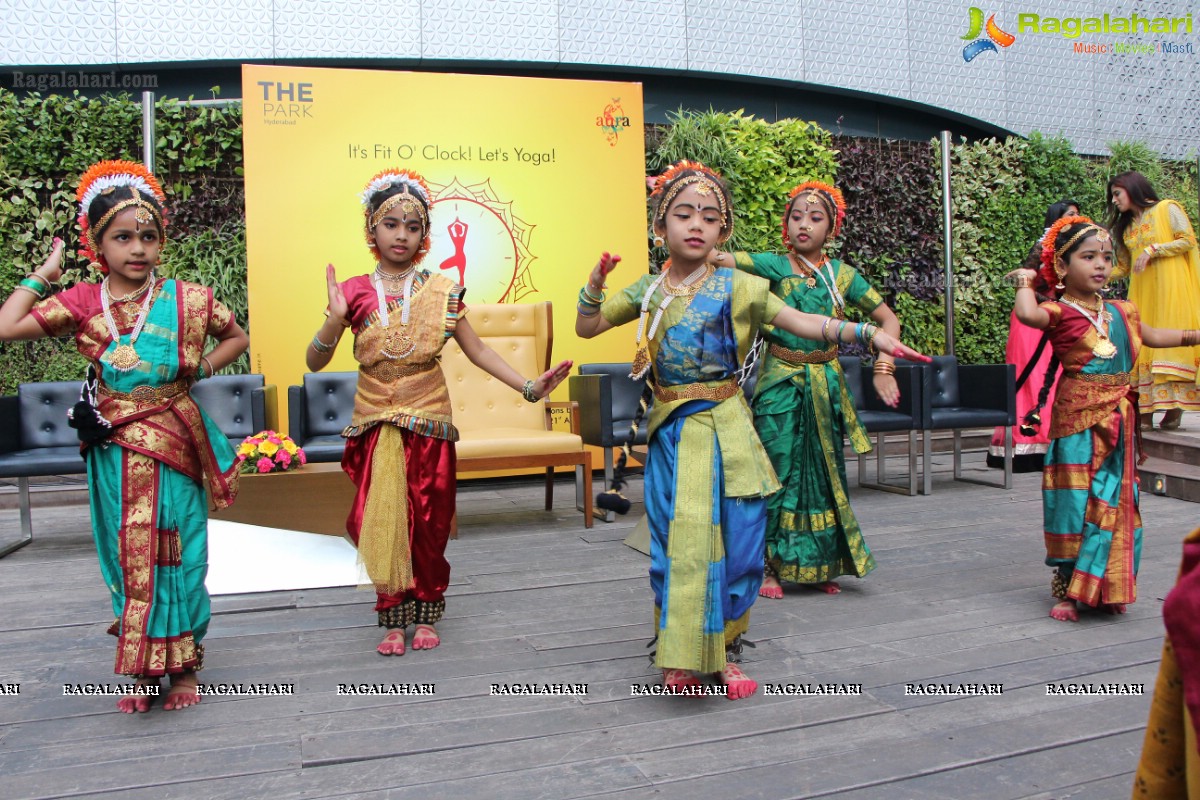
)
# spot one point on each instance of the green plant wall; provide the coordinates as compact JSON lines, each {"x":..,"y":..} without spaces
{"x":893,"y":230}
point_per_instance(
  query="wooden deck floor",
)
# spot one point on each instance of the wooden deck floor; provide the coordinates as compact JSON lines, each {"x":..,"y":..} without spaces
{"x":960,"y":596}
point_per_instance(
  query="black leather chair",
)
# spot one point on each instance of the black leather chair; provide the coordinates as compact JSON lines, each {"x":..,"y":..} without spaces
{"x":35,"y":440}
{"x":878,"y":418}
{"x":608,"y":402}
{"x":318,"y":411}
{"x":958,"y":396}
{"x":240,"y":405}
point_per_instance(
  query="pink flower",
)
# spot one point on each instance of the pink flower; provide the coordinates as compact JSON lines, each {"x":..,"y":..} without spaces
{"x":284,"y":458}
{"x":265,"y":464}
{"x":303,"y":458}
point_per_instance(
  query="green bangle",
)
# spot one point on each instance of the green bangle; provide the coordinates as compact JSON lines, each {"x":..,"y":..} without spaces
{"x":40,"y":289}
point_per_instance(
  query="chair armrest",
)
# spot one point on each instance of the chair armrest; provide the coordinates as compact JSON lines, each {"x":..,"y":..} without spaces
{"x":593,"y":394}
{"x":264,"y":405}
{"x":924,"y":379}
{"x":992,"y":386}
{"x":572,"y":411}
{"x":297,"y":413}
{"x":10,"y":424}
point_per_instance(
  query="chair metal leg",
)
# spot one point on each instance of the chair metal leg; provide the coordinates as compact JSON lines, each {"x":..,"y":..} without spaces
{"x":880,"y":482}
{"x":549,"y":488}
{"x":912,"y":463}
{"x":927,"y":462}
{"x":26,"y":519}
{"x":1006,"y":483}
{"x":957,"y":456}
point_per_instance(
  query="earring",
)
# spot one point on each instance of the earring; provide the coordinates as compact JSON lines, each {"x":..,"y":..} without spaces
{"x":658,"y":240}
{"x":1106,"y":288}
{"x":1059,"y":286}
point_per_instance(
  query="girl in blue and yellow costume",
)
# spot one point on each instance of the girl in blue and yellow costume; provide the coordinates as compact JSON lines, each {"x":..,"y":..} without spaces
{"x":155,"y":451}
{"x":802,"y":406}
{"x":1091,"y":522}
{"x":707,"y":474}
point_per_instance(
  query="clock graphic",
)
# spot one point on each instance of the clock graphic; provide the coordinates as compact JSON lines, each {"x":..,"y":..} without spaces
{"x":477,"y":242}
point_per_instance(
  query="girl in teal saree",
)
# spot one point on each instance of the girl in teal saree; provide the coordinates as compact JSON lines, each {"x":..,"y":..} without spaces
{"x":144,"y":338}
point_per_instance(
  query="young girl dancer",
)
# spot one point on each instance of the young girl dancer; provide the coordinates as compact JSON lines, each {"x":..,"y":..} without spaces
{"x":802,"y":406}
{"x":144,"y":337}
{"x":1093,"y":529}
{"x":400,"y":442}
{"x":707,"y":477}
{"x":1027,"y":349}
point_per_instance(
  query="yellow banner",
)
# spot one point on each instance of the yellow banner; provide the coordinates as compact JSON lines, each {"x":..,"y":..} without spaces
{"x":531,"y":178}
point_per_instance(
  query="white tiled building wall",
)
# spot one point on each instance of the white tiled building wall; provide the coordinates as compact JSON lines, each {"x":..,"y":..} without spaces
{"x":907,"y":50}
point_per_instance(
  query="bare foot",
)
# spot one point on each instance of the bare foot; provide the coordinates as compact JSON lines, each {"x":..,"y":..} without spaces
{"x":679,"y":680}
{"x":392,"y":644}
{"x":828,"y":587}
{"x":1171,"y":419}
{"x":139,"y":703}
{"x":1146,"y":422}
{"x":182,"y":692}
{"x":737,"y":683}
{"x":425,"y":638}
{"x":1065,"y":611}
{"x":771,"y":588}
{"x":1113,"y":608}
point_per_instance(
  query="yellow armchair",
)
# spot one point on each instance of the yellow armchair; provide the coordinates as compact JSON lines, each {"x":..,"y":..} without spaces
{"x":498,"y":429}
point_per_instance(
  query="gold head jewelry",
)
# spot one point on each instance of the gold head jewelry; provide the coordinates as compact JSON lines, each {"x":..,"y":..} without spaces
{"x":145,"y":214}
{"x":704,"y":187}
{"x":408,"y":204}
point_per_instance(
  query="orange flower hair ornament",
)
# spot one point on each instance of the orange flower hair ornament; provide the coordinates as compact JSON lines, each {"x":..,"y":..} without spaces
{"x":105,"y":177}
{"x":818,"y":192}
{"x":412,"y":197}
{"x":1050,"y":255}
{"x":687,"y":173}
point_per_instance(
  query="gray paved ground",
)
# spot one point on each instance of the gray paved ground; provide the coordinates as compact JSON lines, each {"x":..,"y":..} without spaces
{"x":960,"y":596}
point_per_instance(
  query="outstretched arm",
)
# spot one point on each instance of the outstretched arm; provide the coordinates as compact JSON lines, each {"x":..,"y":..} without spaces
{"x":15,"y":320}
{"x":821,"y":328}
{"x":490,"y":362}
{"x":1169,"y":337}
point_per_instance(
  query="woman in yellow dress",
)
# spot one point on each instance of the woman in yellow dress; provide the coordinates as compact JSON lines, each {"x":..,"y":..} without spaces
{"x":1155,"y":239}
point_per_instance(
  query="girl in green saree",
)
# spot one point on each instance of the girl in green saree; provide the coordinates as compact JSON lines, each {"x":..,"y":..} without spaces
{"x":802,"y":407}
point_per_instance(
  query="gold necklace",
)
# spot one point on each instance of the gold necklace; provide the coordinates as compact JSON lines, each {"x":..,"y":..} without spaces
{"x":131,"y":296}
{"x":690,"y":285}
{"x":1073,"y":300}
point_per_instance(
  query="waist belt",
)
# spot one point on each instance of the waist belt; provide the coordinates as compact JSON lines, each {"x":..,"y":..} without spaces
{"x":388,"y":371}
{"x":1107,"y":379}
{"x":696,"y":391}
{"x":797,"y":357}
{"x":149,"y":394}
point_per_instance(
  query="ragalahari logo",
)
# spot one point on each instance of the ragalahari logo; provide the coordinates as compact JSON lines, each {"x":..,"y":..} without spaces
{"x":995,"y":36}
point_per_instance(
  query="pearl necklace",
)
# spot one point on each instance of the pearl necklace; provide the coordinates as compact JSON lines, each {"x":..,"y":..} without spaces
{"x":830,"y":282}
{"x":397,"y":343}
{"x":124,"y":357}
{"x":1104,"y":347}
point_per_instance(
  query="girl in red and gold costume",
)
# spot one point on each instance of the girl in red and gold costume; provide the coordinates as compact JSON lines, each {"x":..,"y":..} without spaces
{"x":150,"y":450}
{"x":400,"y":441}
{"x":1091,"y":521}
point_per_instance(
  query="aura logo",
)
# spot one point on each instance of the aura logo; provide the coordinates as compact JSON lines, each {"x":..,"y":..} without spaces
{"x":613,"y":121}
{"x":995,"y":36}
